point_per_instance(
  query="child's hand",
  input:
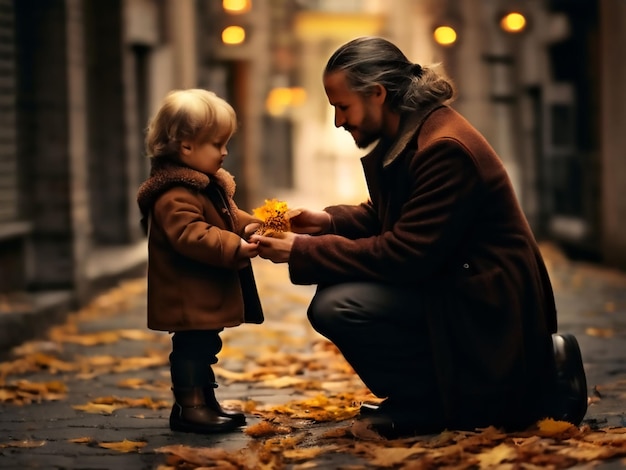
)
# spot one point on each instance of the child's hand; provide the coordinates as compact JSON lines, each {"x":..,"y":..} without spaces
{"x":249,"y":230}
{"x":246,"y":252}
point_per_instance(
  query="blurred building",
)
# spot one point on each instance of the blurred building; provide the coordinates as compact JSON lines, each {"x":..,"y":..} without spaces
{"x":547,"y":93}
{"x":79,"y":79}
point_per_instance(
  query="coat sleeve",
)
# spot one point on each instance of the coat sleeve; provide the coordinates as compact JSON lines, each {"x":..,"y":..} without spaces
{"x":352,"y":221}
{"x":444,"y":194}
{"x":179,"y":213}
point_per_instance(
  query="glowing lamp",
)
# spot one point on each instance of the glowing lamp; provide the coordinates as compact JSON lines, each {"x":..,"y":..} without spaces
{"x":233,"y":35}
{"x":445,"y":35}
{"x":513,"y":22}
{"x":236,"y":6}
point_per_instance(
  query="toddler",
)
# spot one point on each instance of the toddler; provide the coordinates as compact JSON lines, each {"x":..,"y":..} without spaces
{"x":200,"y":278}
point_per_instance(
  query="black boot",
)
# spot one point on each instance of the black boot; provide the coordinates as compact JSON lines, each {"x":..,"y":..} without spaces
{"x":190,"y":412}
{"x":211,"y":401}
{"x":569,"y":400}
{"x":213,"y":404}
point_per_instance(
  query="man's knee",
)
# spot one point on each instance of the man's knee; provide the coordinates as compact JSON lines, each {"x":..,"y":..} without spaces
{"x":336,"y":309}
{"x":320,"y":312}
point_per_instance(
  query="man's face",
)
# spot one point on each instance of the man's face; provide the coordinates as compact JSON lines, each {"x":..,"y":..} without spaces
{"x":360,"y":115}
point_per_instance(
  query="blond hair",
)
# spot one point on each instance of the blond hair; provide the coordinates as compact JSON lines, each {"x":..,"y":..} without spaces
{"x":193,"y":114}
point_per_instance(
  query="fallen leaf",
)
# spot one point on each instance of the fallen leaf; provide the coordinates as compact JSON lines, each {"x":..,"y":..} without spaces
{"x":308,"y":453}
{"x":82,"y":440}
{"x":283,"y":382}
{"x":600,"y":332}
{"x":390,"y":457}
{"x":123,"y":446}
{"x":495,"y":456}
{"x":361,"y":430}
{"x":23,"y":444}
{"x":265,"y":428}
{"x":550,"y":428}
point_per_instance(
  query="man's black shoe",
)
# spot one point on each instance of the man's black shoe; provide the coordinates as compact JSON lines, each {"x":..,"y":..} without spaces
{"x":570,"y":398}
{"x":394,"y":420}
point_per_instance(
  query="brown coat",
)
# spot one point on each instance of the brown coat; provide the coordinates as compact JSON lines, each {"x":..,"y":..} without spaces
{"x":193,"y":241}
{"x":443,"y":218}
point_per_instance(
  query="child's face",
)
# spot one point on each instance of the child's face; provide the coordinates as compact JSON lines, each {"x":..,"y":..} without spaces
{"x":205,"y":155}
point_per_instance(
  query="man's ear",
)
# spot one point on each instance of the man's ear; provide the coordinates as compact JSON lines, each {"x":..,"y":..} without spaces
{"x":378,"y":93}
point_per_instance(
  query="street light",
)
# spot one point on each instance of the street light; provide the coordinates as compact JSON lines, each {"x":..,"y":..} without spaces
{"x":513,"y":22}
{"x":233,"y":35}
{"x":445,"y":35}
{"x":236,"y":6}
{"x":280,"y":99}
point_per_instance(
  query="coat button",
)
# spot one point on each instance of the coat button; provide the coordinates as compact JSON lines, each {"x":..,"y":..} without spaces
{"x":466,"y":266}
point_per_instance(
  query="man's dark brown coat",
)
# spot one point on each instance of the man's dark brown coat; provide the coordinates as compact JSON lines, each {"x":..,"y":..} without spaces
{"x":443,"y":218}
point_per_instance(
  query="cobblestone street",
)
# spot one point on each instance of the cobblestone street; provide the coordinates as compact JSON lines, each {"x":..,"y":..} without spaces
{"x":63,"y":434}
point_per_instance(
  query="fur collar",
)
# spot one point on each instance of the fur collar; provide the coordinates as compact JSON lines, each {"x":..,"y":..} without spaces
{"x":409,"y":127}
{"x":167,"y":173}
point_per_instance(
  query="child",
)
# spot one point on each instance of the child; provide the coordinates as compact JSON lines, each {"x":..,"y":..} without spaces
{"x":200,"y":278}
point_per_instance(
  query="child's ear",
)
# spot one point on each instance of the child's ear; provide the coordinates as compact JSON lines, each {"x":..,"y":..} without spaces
{"x":185,"y":147}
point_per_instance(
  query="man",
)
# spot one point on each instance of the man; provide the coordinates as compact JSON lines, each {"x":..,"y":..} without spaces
{"x":434,"y":289}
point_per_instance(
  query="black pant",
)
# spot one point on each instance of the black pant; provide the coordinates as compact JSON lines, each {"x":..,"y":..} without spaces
{"x":196,"y":346}
{"x":381,"y":331}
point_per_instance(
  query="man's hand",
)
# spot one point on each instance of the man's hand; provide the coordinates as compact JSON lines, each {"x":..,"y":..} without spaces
{"x":307,"y":221}
{"x":276,"y":248}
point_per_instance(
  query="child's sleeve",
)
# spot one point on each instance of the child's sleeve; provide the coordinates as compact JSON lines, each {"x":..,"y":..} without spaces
{"x":179,"y":214}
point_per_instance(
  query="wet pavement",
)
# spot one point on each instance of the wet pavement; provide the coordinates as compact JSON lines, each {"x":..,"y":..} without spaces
{"x":104,"y":356}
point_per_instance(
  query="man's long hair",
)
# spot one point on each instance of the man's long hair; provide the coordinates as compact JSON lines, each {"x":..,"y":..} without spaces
{"x":369,"y":61}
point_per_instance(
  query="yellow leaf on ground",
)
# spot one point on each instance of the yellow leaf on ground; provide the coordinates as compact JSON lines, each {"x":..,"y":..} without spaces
{"x":283,"y":382}
{"x":361,"y":430}
{"x":609,"y":437}
{"x":23,"y":444}
{"x":202,"y":457}
{"x":51,"y":363}
{"x":132,"y":382}
{"x":123,"y":446}
{"x":82,"y":440}
{"x":91,"y":339}
{"x":25,"y":392}
{"x":587,"y":452}
{"x":550,"y":428}
{"x":141,"y":335}
{"x":308,"y":453}
{"x":96,"y":408}
{"x":265,"y":428}
{"x":498,"y":455}
{"x":600,"y":332}
{"x":393,"y":456}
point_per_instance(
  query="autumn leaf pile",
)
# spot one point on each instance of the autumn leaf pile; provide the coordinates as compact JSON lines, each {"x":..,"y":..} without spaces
{"x":273,"y":214}
{"x":301,"y":398}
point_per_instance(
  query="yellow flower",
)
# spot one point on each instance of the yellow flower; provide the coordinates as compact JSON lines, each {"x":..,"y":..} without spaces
{"x":272,"y":213}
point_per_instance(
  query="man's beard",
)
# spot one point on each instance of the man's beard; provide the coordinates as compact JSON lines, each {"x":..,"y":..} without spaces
{"x":364,"y":137}
{"x":365,"y":140}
